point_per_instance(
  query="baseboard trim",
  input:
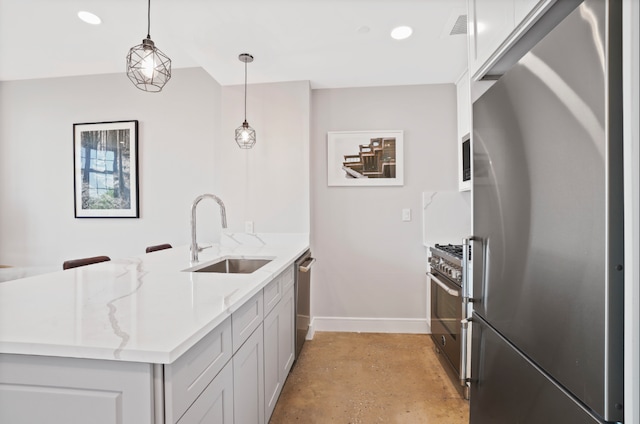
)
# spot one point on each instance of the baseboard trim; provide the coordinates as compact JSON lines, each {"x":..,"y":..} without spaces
{"x":369,"y":325}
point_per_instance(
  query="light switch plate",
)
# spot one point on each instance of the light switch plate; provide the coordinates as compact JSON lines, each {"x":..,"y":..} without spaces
{"x":406,"y":214}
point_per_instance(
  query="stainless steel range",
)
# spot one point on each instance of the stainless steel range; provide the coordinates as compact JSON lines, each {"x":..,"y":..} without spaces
{"x":448,"y":308}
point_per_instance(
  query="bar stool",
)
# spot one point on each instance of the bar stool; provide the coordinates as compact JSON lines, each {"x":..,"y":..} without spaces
{"x":158,"y":247}
{"x":74,"y":263}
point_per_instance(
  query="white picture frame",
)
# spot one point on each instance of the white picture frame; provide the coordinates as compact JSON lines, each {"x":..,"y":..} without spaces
{"x":365,"y":158}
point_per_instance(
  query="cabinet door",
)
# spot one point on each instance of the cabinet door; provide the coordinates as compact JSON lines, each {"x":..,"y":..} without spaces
{"x":215,"y":404}
{"x":272,"y":385}
{"x":248,"y":380}
{"x":279,"y":349}
{"x":192,"y":372}
{"x":464,"y":125}
{"x":53,"y":390}
{"x":522,"y":8}
{"x":463,"y":105}
{"x":287,"y":340}
{"x":246,"y":319}
{"x":272,"y":294}
{"x":491,"y":23}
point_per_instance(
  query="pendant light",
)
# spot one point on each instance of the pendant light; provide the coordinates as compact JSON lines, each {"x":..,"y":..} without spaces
{"x":147,"y":67}
{"x":245,"y":135}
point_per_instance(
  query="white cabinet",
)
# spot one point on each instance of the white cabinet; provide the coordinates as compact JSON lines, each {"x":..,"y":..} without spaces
{"x":221,"y":379}
{"x":521,"y":8}
{"x":464,"y":105}
{"x":495,"y":26}
{"x":215,"y":403}
{"x":42,"y":389}
{"x":279,"y":349}
{"x":464,"y":128}
{"x":248,"y":380}
{"x":287,"y":340}
{"x":490,"y":24}
{"x":191,"y":374}
{"x":246,"y":319}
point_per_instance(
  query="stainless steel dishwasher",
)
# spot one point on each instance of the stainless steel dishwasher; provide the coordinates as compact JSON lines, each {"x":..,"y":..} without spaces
{"x":303,"y":298}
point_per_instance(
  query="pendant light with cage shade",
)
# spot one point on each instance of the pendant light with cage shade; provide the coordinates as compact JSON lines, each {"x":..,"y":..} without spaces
{"x":147,"y":67}
{"x":245,"y":135}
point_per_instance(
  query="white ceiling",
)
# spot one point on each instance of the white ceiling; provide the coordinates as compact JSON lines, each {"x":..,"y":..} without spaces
{"x":322,"y":41}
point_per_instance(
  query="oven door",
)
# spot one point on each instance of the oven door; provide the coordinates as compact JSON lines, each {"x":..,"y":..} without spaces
{"x":446,"y":314}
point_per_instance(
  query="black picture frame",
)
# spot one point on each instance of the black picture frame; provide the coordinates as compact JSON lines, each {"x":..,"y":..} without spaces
{"x":105,"y":162}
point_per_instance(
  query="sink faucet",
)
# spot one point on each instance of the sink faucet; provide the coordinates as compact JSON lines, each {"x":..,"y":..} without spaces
{"x":223,"y":217}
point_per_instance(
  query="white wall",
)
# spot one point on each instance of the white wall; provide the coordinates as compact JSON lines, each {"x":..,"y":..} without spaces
{"x":268,"y":184}
{"x":177,"y":131}
{"x":370,"y":273}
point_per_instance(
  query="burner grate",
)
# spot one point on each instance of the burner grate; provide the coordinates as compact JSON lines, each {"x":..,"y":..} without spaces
{"x":452,"y":249}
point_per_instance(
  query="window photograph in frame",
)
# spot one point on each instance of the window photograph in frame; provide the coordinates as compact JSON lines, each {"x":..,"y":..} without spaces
{"x":105,"y":158}
{"x":365,"y":158}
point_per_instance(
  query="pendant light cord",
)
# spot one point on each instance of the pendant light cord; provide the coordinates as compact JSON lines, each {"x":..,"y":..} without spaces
{"x":245,"y":90}
{"x":149,"y":19}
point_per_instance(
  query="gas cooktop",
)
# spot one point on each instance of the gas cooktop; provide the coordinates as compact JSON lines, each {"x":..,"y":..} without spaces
{"x":452,"y":249}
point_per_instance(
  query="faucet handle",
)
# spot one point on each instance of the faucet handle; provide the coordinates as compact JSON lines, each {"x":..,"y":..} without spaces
{"x":201,"y":248}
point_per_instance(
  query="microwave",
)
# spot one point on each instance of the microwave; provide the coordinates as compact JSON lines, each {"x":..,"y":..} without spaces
{"x":466,"y":158}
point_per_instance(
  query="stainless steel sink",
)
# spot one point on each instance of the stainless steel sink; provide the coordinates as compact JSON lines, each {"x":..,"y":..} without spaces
{"x":233,"y":266}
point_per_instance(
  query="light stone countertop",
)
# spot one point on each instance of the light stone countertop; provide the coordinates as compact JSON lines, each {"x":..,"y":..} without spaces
{"x":139,"y":309}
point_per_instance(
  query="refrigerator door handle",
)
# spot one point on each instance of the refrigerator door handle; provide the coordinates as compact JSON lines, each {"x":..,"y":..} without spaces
{"x":442,"y":285}
{"x":464,"y":327}
{"x":466,"y":245}
{"x":475,"y":253}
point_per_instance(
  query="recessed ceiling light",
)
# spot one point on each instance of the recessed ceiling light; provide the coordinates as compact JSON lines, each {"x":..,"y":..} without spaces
{"x":401,"y":32}
{"x":363,"y":29}
{"x":89,"y":18}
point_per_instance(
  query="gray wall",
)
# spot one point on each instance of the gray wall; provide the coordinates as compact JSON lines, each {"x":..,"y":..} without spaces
{"x":268,"y":184}
{"x":177,"y":129}
{"x":186,"y":148}
{"x":370,"y":273}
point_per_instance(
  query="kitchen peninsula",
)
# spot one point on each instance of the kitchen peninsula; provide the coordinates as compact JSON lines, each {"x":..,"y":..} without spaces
{"x":139,"y":340}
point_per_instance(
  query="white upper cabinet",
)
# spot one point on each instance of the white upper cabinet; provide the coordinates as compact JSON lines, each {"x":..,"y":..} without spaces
{"x":495,"y":26}
{"x":490,"y":23}
{"x":521,"y":8}
{"x":463,"y":105}
{"x":464,"y":127}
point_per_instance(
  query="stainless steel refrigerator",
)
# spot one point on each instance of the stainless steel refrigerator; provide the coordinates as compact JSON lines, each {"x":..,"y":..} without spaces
{"x":547,"y":326}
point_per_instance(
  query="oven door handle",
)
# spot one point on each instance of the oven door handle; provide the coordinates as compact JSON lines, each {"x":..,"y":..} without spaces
{"x":446,"y":288}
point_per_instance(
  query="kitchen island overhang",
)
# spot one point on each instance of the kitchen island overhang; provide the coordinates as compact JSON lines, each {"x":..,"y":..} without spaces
{"x":140,"y":309}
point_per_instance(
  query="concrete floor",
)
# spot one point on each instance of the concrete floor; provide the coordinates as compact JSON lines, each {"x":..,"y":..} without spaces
{"x":353,"y":378}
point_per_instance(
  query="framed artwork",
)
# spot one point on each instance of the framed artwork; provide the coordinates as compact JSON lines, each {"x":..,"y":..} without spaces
{"x":105,"y":159}
{"x":365,"y":158}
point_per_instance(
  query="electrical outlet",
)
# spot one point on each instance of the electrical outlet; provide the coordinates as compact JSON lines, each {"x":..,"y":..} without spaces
{"x":248,"y":227}
{"x":406,"y":214}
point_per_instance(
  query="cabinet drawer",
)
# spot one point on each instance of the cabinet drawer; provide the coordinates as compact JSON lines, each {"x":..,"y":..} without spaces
{"x":287,"y":278}
{"x":192,"y":372}
{"x":215,"y":404}
{"x":246,"y":319}
{"x":272,"y":295}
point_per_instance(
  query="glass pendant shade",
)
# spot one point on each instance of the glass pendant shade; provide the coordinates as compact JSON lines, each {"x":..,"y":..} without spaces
{"x":245,"y":136}
{"x":147,"y":67}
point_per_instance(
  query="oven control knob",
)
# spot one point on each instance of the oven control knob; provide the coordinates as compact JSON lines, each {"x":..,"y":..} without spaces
{"x":457,"y":275}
